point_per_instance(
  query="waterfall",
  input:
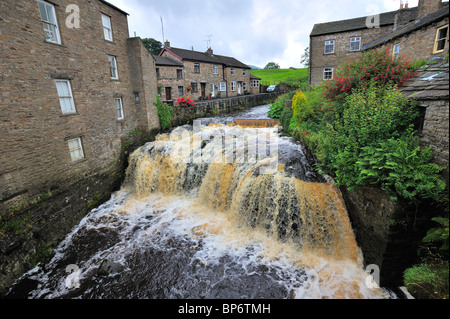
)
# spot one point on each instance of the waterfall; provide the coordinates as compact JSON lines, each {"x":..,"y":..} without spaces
{"x":212,"y":211}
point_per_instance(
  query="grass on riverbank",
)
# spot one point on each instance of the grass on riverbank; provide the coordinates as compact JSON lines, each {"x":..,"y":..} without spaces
{"x":288,"y":76}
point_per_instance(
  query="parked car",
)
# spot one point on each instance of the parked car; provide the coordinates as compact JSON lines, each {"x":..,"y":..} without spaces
{"x":273,"y":88}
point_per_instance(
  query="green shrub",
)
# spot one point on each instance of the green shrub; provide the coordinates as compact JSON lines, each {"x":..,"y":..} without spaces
{"x":285,"y":119}
{"x":165,"y":113}
{"x":428,"y":281}
{"x":439,"y":234}
{"x":402,"y":168}
{"x":277,"y":107}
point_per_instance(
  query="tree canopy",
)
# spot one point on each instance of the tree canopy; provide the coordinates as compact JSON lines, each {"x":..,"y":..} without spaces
{"x":152,"y":45}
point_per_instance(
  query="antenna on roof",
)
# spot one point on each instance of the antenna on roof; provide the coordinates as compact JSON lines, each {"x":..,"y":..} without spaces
{"x":208,"y":42}
{"x":162,"y":28}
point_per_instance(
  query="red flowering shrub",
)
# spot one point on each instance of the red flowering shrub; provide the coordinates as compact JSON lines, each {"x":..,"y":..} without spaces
{"x":185,"y":101}
{"x":372,"y":67}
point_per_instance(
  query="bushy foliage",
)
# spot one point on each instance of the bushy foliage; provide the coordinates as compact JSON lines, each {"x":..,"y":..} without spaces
{"x":428,"y":281}
{"x":402,"y":168}
{"x":165,"y":113}
{"x":302,"y":110}
{"x":372,"y":67}
{"x":285,"y":119}
{"x":277,"y":107}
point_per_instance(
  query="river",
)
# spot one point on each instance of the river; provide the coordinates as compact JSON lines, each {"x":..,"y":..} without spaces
{"x":212,"y":211}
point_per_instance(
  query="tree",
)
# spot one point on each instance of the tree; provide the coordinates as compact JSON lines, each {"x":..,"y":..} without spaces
{"x":305,"y":58}
{"x":152,"y":45}
{"x":271,"y":66}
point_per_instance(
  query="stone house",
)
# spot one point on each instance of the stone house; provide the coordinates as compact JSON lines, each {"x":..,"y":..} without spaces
{"x":425,"y":37}
{"x":415,"y":32}
{"x":73,"y":89}
{"x":255,"y":84}
{"x":170,"y":76}
{"x":206,"y":75}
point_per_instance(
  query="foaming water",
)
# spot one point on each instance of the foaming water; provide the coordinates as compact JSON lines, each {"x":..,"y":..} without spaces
{"x":215,"y":211}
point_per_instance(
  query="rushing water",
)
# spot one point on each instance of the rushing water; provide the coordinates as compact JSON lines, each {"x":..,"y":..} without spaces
{"x":212,"y":211}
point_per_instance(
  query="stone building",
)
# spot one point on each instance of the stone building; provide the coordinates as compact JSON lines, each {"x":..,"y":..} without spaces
{"x":205,"y":74}
{"x":416,"y":32}
{"x":425,"y":37}
{"x":74,"y":88}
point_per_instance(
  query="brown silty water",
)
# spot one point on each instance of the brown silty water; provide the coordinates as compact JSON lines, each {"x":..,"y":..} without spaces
{"x":214,"y":211}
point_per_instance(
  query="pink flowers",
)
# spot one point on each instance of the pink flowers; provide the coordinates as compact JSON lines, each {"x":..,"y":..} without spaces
{"x":185,"y":101}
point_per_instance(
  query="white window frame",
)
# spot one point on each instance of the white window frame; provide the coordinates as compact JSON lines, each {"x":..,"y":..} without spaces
{"x":244,"y":72}
{"x":329,"y":43}
{"x":328,"y":71}
{"x":244,"y":86}
{"x":76,"y":149}
{"x":114,"y":71}
{"x":215,"y":69}
{"x":232,"y":71}
{"x":107,"y":27}
{"x":396,"y":51}
{"x":119,"y":108}
{"x":222,"y":86}
{"x":197,"y":68}
{"x":51,"y":29}
{"x":353,"y":41}
{"x":233,"y":86}
{"x":66,"y":101}
{"x":255,"y":84}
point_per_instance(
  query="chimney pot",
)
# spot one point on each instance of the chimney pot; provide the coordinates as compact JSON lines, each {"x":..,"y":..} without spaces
{"x":167,"y":44}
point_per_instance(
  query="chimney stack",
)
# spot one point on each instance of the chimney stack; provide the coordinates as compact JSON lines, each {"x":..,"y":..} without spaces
{"x":167,"y":44}
{"x":428,"y":6}
{"x":210,"y":52}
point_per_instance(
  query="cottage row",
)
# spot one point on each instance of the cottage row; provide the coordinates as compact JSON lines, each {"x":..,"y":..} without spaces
{"x":203,"y":75}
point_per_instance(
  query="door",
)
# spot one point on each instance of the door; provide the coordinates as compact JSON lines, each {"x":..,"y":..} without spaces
{"x":239,"y":88}
{"x":203,"y":88}
{"x":213,"y":93}
{"x":168,"y":94}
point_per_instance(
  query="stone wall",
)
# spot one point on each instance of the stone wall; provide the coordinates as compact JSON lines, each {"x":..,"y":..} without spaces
{"x":218,"y":106}
{"x":389,"y":233}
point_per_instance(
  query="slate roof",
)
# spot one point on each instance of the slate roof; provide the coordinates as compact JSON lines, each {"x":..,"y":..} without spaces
{"x":386,"y":18}
{"x":410,"y":27}
{"x":165,"y":61}
{"x":431,"y":83}
{"x":191,"y":55}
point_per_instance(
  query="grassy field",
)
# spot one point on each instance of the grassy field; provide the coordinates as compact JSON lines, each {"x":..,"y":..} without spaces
{"x":277,"y":76}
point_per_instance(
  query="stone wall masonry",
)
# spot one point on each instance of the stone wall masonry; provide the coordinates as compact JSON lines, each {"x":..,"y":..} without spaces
{"x":219,"y":106}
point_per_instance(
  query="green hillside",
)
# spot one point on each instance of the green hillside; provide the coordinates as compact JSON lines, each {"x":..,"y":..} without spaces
{"x":276,"y":76}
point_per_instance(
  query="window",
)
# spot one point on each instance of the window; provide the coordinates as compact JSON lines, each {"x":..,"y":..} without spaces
{"x":329,"y":47}
{"x":76,"y":149}
{"x":48,"y":17}
{"x":222,"y":86}
{"x":194,"y":87}
{"x":137,"y":98}
{"x":244,"y":86}
{"x":158,"y":74}
{"x":441,"y":38}
{"x":233,"y":86}
{"x":355,"y":44}
{"x":232,"y":71}
{"x":107,"y":29}
{"x":179,"y":74}
{"x":196,"y":67}
{"x":396,"y":52}
{"x":216,"y":69}
{"x":180,"y":91}
{"x":65,"y":96}
{"x":119,"y":109}
{"x":328,"y":73}
{"x":113,"y":67}
{"x":244,"y":72}
{"x":254,"y":84}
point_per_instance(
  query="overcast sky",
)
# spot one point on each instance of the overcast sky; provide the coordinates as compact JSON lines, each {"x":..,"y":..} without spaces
{"x":253,"y":31}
